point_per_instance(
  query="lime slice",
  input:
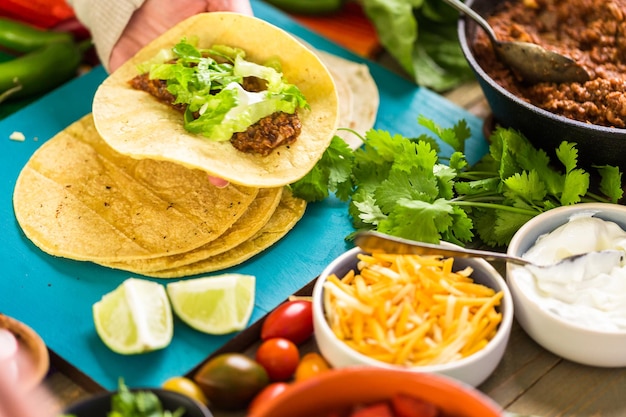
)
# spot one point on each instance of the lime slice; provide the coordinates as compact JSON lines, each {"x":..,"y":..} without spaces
{"x":215,"y":305}
{"x":136,"y":317}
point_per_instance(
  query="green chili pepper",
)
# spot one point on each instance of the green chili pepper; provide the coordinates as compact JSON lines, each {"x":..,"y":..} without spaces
{"x":39,"y":71}
{"x":20,"y":37}
{"x":310,"y":7}
{"x":48,"y":59}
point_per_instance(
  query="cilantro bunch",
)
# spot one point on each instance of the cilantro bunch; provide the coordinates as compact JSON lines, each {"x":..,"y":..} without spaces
{"x":402,"y":187}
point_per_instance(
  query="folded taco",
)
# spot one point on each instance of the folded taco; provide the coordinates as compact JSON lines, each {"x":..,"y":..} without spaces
{"x":225,"y":93}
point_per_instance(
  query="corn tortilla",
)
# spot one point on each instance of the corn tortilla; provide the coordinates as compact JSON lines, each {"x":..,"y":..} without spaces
{"x":256,"y":216}
{"x":136,"y":124}
{"x":358,"y":96}
{"x":78,"y":198}
{"x":289,"y":211}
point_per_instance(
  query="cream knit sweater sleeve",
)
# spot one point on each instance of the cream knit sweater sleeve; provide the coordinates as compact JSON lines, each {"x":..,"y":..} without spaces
{"x":106,"y":20}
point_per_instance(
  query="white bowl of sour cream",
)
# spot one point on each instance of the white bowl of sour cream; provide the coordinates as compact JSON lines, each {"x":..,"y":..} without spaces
{"x":577,"y":311}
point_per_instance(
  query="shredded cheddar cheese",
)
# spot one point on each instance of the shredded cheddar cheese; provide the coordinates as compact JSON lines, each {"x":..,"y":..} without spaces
{"x":411,"y":310}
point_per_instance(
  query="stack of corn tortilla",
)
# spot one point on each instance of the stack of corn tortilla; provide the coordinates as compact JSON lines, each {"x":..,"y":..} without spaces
{"x":82,"y":197}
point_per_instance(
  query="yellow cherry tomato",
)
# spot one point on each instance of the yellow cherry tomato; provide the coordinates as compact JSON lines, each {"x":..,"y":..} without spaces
{"x":311,"y":364}
{"x":186,"y":387}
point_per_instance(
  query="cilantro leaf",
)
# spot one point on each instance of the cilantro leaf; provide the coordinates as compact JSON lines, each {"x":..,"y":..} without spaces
{"x":399,"y":186}
{"x":126,"y":403}
{"x":525,"y":185}
{"x":611,"y":182}
{"x":332,"y":173}
{"x":506,"y":224}
{"x":365,"y":211}
{"x":418,"y":220}
{"x":461,"y":229}
{"x":575,"y":187}
{"x":455,"y":136}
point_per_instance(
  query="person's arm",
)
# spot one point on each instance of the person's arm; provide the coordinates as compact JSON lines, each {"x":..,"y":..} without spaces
{"x":120,"y":28}
{"x":106,"y":21}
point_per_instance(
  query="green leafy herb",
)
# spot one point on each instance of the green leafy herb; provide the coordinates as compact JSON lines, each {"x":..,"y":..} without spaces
{"x":422,"y":37}
{"x":401,"y":186}
{"x":126,"y":403}
{"x":331,"y":174}
{"x":208,"y":82}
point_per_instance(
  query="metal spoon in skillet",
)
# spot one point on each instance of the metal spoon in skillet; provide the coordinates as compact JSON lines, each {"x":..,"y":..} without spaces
{"x":530,"y":61}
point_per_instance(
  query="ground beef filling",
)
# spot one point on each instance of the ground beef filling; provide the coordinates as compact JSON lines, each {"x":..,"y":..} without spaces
{"x":278,"y":129}
{"x":592,"y":32}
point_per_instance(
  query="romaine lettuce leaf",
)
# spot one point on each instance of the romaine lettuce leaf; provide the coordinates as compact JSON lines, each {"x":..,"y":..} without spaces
{"x":421,"y":36}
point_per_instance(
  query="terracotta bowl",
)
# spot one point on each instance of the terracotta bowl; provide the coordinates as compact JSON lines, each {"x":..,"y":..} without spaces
{"x":597,"y":145}
{"x":32,"y":355}
{"x":341,"y":388}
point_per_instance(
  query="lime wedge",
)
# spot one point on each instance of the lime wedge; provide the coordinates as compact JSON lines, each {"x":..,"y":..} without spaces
{"x":215,"y":305}
{"x":136,"y":317}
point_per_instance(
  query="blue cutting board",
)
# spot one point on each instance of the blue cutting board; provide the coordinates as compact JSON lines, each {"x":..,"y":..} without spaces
{"x":55,"y":296}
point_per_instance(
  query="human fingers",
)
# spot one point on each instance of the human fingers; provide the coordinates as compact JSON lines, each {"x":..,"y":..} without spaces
{"x":238,"y":6}
{"x":218,"y":182}
{"x":16,"y":401}
{"x":148,"y":22}
{"x":156,"y":16}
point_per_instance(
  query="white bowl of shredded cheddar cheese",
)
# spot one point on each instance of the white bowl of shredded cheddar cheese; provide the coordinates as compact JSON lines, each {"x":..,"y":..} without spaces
{"x":446,"y":316}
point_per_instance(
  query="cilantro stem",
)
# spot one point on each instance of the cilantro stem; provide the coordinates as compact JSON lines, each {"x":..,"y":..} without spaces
{"x":484,"y":196}
{"x":591,"y":197}
{"x":495,"y":207}
{"x":477,"y":175}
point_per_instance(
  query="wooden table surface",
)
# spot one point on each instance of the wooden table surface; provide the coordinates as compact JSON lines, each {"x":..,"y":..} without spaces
{"x":529,"y":380}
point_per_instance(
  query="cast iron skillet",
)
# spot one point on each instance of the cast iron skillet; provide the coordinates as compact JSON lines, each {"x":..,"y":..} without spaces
{"x":597,"y":145}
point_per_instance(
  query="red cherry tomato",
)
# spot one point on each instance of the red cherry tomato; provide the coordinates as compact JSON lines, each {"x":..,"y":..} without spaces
{"x":291,"y":320}
{"x":279,"y":357}
{"x":310,"y":365}
{"x":271,"y":391}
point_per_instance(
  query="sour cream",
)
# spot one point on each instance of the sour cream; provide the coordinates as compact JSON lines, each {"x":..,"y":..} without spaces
{"x":587,"y":292}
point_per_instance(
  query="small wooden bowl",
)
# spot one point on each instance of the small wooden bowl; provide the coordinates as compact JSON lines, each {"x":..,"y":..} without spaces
{"x":32,"y":355}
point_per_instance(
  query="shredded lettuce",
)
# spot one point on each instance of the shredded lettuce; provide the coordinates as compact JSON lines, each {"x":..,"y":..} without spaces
{"x":208,"y":82}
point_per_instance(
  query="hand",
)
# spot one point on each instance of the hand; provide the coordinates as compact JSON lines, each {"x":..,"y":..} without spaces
{"x":16,"y":401}
{"x":157,"y":16}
